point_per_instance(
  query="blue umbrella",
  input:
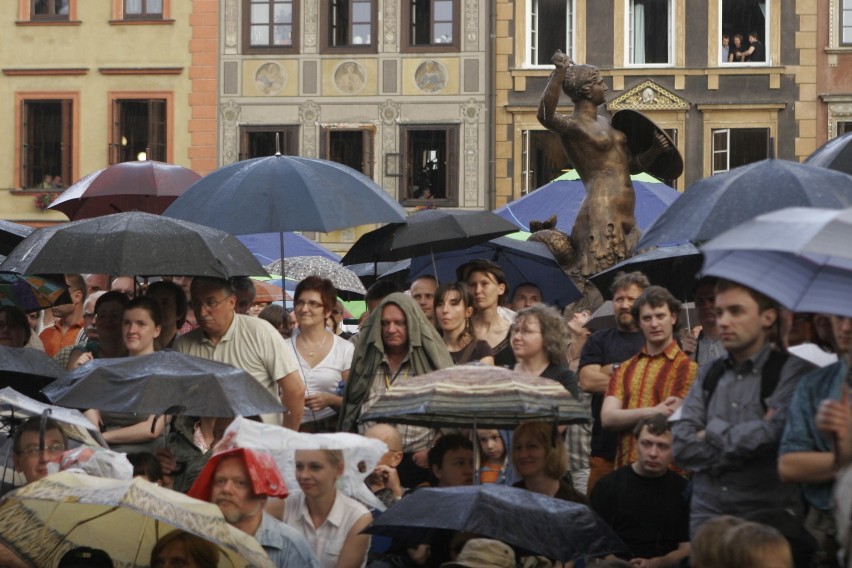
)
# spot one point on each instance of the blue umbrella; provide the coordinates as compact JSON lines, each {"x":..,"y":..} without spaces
{"x":266,"y":247}
{"x":835,"y":154}
{"x":564,"y":195}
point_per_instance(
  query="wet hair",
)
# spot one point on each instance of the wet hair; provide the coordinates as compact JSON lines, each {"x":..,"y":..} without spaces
{"x":112,"y":296}
{"x":446,"y":444}
{"x":381,"y":289}
{"x":180,"y":298}
{"x":464,"y":295}
{"x":657,"y":425}
{"x":323,"y":286}
{"x":578,"y":80}
{"x":555,"y":455}
{"x":706,"y":547}
{"x":763,"y":301}
{"x":493,"y":269}
{"x":202,"y":552}
{"x":244,"y":284}
{"x":554,"y":330}
{"x":277,"y":316}
{"x":628,"y":279}
{"x":222,"y":284}
{"x":655,"y":297}
{"x":33,"y":424}
{"x":150,"y":305}
{"x":15,"y":317}
{"x":147,"y":465}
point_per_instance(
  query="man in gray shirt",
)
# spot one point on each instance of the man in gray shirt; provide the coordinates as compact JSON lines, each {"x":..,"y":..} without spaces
{"x":728,"y":433}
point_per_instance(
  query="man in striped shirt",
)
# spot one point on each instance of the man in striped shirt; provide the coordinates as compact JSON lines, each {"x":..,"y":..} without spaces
{"x":655,"y":380}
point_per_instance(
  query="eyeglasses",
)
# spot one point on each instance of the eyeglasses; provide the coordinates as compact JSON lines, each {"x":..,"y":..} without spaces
{"x":209,"y":304}
{"x":34,"y":451}
{"x":312,"y":304}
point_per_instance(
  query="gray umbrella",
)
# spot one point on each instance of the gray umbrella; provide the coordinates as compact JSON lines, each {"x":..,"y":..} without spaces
{"x":300,"y":267}
{"x":27,"y":370}
{"x":133,"y":243}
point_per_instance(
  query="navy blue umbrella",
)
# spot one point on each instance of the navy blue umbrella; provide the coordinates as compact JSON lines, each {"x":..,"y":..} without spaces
{"x":266,"y":247}
{"x":835,"y":154}
{"x":673,"y":267}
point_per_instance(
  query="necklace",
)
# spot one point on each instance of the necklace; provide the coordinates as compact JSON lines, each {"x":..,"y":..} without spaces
{"x":312,"y":352}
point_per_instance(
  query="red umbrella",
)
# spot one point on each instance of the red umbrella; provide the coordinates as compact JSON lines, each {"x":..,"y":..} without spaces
{"x":146,"y":186}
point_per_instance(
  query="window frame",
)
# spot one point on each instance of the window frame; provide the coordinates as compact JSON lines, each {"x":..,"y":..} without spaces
{"x":144,"y":15}
{"x":764,"y":38}
{"x":33,"y":17}
{"x":69,"y":136}
{"x":672,"y":37}
{"x":326,"y":35}
{"x":727,"y":131}
{"x":248,"y":48}
{"x":531,"y":33}
{"x":453,"y":132}
{"x":844,"y":6}
{"x":405,"y":43}
{"x":114,"y":133}
{"x":290,"y":132}
{"x":368,"y":141}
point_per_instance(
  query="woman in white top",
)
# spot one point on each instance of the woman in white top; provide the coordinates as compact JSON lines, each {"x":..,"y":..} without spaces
{"x":324,"y":358}
{"x":329,"y":520}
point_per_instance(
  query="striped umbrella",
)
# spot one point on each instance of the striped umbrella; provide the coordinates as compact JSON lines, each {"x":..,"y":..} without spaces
{"x":476,"y":395}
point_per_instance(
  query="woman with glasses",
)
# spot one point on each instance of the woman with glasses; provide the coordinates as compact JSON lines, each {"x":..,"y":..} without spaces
{"x":324,"y":358}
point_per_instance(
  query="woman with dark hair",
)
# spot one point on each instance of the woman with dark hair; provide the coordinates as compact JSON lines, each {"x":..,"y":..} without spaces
{"x":324,"y":358}
{"x":15,"y":330}
{"x":109,"y":310}
{"x":453,"y":310}
{"x":279,"y":318}
{"x":487,"y":283}
{"x":182,"y":549}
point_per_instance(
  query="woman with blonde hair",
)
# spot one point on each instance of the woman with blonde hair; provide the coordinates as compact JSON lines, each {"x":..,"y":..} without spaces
{"x":540,"y":459}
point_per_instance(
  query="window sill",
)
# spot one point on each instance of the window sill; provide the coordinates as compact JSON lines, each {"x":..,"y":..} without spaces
{"x":142,"y":22}
{"x":839,"y":50}
{"x":30,"y":191}
{"x":48,"y":22}
{"x":435,"y":203}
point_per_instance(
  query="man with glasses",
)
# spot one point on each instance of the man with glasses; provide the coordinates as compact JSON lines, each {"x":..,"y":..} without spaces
{"x":247,"y":343}
{"x":29,"y":457}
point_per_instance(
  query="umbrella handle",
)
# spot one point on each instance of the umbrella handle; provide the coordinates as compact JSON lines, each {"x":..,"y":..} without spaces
{"x":42,"y":427}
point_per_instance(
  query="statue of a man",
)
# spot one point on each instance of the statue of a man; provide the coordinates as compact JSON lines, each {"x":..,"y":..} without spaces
{"x":605,"y":230}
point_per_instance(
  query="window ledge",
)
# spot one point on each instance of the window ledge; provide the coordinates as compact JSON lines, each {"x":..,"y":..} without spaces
{"x":48,"y":22}
{"x":838,"y":50}
{"x":142,"y":22}
{"x":428,"y":203}
{"x":46,"y":71}
{"x":30,"y":191}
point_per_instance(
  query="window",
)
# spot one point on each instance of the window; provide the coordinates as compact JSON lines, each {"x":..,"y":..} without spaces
{"x":846,"y":23}
{"x":263,"y":141}
{"x":744,"y":26}
{"x":138,"y":130}
{"x":430,"y":24}
{"x":650,"y":28}
{"x":143,"y":9}
{"x":269,"y":25}
{"x":350,"y":147}
{"x":349,"y":23}
{"x":844,"y":127}
{"x":735,"y":147}
{"x":50,"y":9}
{"x":551,"y":27}
{"x":430,"y":162}
{"x":46,"y":135}
{"x":543,"y":159}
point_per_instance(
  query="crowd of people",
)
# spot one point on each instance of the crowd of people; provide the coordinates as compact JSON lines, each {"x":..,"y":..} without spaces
{"x":720,"y":445}
{"x":739,"y":48}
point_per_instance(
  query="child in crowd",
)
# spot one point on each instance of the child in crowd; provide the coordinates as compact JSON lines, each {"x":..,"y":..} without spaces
{"x":494,"y":459}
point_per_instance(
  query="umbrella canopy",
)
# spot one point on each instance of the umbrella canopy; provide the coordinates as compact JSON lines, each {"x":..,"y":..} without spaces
{"x":301,"y":267}
{"x":30,"y":293}
{"x":155,"y":383}
{"x":557,"y":529}
{"x":715,"y":204}
{"x":27,"y":370}
{"x":285,"y":193}
{"x":15,"y":406}
{"x":836,"y":154}
{"x":265,"y":292}
{"x":128,"y":186}
{"x":522,"y":261}
{"x":11,"y":234}
{"x":133,"y":243}
{"x":125,"y":518}
{"x":428,"y":231}
{"x":564,"y":195}
{"x":673,"y":267}
{"x":476,"y":395}
{"x":266,"y":247}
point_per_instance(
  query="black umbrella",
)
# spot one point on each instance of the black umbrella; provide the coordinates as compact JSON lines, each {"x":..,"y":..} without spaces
{"x":713,"y":205}
{"x":835,"y":154}
{"x":133,"y":243}
{"x":156,"y":383}
{"x":11,"y":234}
{"x":427,"y":232}
{"x":27,"y":370}
{"x":673,"y":267}
{"x":560,"y":530}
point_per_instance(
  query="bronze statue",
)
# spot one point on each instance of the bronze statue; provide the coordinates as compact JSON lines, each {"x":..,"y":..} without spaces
{"x":605,"y":230}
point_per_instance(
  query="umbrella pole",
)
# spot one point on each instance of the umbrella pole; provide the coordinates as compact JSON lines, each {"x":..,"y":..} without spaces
{"x":476,"y":460}
{"x":283,"y":276}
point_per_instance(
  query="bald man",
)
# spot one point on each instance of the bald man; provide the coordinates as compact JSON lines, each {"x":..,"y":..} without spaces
{"x":384,"y":481}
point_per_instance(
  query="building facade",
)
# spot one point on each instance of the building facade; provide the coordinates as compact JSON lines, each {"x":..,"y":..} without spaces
{"x":834,"y":69}
{"x":667,"y":59}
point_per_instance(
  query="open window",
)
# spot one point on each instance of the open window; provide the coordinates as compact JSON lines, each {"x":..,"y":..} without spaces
{"x":351,"y":147}
{"x":266,"y":140}
{"x":269,"y":25}
{"x":350,"y":24}
{"x":735,"y":147}
{"x":650,"y":32}
{"x":430,"y":25}
{"x":139,"y":130}
{"x":543,"y":159}
{"x":744,"y":29}
{"x":430,"y":163}
{"x":46,"y":143}
{"x":550,"y":25}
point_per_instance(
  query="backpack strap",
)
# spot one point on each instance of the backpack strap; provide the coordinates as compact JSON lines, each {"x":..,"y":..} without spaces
{"x":769,"y":377}
{"x":711,"y":379}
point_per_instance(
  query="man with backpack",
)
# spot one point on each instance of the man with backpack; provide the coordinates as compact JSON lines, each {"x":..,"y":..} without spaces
{"x":734,"y":415}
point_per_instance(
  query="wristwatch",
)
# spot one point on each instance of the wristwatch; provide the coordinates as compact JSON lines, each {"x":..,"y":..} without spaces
{"x":615,"y":367}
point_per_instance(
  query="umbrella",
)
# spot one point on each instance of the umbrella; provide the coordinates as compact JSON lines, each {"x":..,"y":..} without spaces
{"x":673,"y":267}
{"x":30,"y":293}
{"x":301,"y":267}
{"x":265,"y":292}
{"x":522,"y":261}
{"x":564,"y":195}
{"x":11,"y":234}
{"x":27,"y":370}
{"x":426,"y":232}
{"x":478,"y":395}
{"x":835,"y":154}
{"x":557,"y":529}
{"x":266,"y":247}
{"x":155,"y":383}
{"x":125,"y":518}
{"x":128,"y":186}
{"x":285,"y":193}
{"x":15,"y":406}
{"x":604,"y":316}
{"x":718,"y":203}
{"x":133,"y":243}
